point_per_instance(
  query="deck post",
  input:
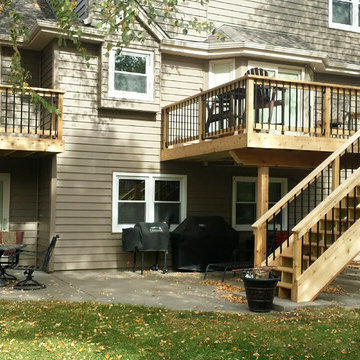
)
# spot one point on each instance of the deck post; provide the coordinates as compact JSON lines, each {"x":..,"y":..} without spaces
{"x":165,"y":120}
{"x":335,"y":173}
{"x":262,"y":206}
{"x":201,"y":118}
{"x":327,"y":112}
{"x":249,"y":105}
{"x":60,"y":116}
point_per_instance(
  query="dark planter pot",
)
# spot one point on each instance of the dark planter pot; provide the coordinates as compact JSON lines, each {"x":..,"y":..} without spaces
{"x":260,"y":293}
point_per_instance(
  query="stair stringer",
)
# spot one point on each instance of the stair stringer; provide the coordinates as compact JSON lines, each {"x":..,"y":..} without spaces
{"x":326,"y":268}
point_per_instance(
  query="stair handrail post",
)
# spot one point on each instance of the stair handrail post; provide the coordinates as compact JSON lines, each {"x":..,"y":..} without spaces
{"x":259,"y":245}
{"x":335,"y":173}
{"x":297,"y":261}
{"x":249,"y":106}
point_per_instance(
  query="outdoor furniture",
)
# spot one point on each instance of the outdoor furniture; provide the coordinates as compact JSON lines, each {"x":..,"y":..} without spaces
{"x":223,"y":107}
{"x":10,"y":258}
{"x":264,"y":95}
{"x":4,"y":276}
{"x":29,"y":283}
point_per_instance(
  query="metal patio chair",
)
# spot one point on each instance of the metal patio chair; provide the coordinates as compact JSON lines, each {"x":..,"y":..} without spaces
{"x":29,"y":283}
{"x":10,"y":258}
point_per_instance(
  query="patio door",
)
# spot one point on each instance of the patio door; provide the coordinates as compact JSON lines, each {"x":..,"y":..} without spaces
{"x":4,"y":201}
{"x":286,"y":114}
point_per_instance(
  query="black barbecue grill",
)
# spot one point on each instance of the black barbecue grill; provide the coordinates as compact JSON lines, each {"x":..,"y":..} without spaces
{"x":145,"y":237}
{"x":199,"y":241}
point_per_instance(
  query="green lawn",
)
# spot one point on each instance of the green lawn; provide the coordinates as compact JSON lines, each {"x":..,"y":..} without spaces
{"x":60,"y":330}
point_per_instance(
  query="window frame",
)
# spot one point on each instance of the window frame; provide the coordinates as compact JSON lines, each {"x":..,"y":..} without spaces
{"x":149,"y":196}
{"x":355,"y":26}
{"x":248,"y":227}
{"x":120,"y":94}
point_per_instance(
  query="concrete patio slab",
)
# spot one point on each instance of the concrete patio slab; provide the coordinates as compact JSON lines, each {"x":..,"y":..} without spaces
{"x":177,"y":291}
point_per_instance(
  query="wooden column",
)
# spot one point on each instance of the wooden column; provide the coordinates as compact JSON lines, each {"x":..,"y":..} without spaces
{"x":249,"y":105}
{"x":165,"y":121}
{"x":297,"y":260}
{"x":60,"y":117}
{"x":262,"y":206}
{"x":327,"y":112}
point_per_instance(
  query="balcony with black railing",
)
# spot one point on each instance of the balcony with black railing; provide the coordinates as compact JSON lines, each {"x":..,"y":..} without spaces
{"x":30,"y":120}
{"x":261,"y":113}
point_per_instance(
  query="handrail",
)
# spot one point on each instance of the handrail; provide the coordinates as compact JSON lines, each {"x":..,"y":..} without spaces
{"x":307,"y":180}
{"x":326,"y":205}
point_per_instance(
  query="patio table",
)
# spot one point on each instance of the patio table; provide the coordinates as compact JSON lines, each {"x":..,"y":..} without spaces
{"x":3,"y":248}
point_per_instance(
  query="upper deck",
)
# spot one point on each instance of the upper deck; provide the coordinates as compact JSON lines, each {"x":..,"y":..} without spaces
{"x":30,"y":125}
{"x":261,"y":121}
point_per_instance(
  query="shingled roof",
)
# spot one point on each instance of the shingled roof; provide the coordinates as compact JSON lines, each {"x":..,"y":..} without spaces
{"x":239,"y":34}
{"x":30,"y":11}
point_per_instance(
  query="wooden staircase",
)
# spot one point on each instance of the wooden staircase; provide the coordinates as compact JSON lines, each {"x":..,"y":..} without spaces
{"x":324,"y":237}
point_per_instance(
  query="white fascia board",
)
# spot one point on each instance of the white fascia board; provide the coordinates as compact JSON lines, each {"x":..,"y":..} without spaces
{"x":49,"y":28}
{"x":153,"y":28}
{"x":318,"y":60}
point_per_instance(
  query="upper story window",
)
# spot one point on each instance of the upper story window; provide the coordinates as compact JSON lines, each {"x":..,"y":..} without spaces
{"x":221,"y":71}
{"x":344,"y":14}
{"x":131,"y":74}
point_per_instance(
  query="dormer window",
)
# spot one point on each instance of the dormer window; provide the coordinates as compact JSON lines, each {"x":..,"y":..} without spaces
{"x":131,"y":74}
{"x":344,"y":14}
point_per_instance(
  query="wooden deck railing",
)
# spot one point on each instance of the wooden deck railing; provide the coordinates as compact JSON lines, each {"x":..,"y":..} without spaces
{"x":23,"y":115}
{"x":264,"y":104}
{"x":305,"y":197}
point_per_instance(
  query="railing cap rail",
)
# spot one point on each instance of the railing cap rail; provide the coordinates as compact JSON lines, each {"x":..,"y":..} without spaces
{"x":327,"y":204}
{"x":36,"y":89}
{"x":266,"y":79}
{"x":308,"y":179}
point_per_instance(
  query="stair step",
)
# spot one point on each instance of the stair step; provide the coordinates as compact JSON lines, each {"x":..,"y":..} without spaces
{"x":284,"y":285}
{"x":284,"y":269}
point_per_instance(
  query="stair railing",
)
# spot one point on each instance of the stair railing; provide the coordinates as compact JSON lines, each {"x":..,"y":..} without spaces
{"x":322,"y":227}
{"x":303,"y":198}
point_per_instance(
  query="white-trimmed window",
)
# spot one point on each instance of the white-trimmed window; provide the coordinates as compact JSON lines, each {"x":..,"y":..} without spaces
{"x":245,"y":199}
{"x":131,"y":74}
{"x":147,"y":197}
{"x":221,"y":71}
{"x":344,"y":14}
{"x":4,"y":201}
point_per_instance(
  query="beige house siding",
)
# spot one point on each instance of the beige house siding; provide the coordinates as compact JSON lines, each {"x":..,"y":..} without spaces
{"x":100,"y":139}
{"x":180,"y":77}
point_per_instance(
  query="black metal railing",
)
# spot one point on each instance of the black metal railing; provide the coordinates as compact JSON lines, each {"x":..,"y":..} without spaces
{"x":22,"y":113}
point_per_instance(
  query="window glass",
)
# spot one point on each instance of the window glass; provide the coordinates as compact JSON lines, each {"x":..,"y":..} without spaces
{"x":130,"y":83}
{"x":131,"y":213}
{"x":342,"y":12}
{"x":167,"y":200}
{"x":245,"y":191}
{"x":167,"y":190}
{"x":274,"y":192}
{"x":130,"y":63}
{"x":245,"y":214}
{"x":131,"y":189}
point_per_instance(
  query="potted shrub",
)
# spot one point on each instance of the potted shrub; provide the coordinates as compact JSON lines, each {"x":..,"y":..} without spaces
{"x":260,"y":285}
